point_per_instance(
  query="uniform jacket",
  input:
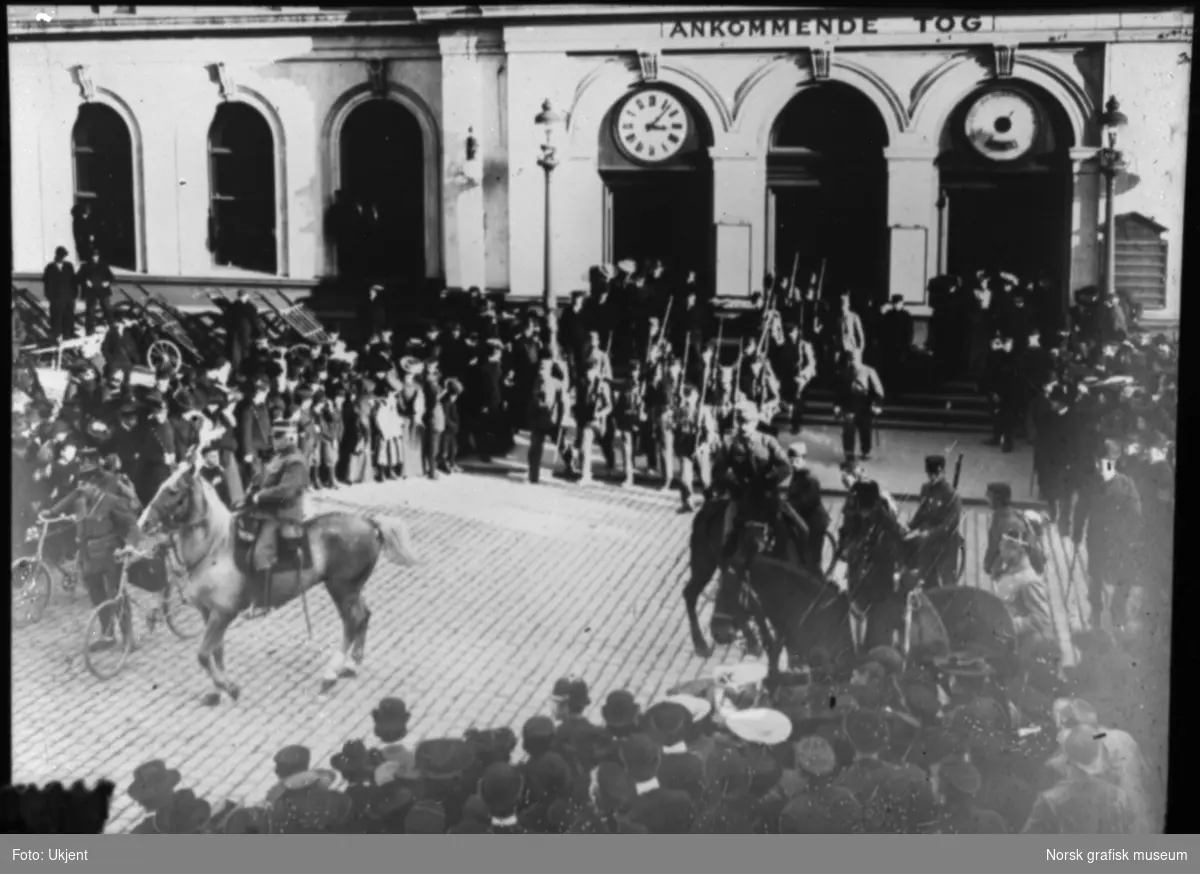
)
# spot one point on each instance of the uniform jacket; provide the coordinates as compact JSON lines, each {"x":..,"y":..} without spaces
{"x":797,"y":361}
{"x":548,"y":403}
{"x":691,"y":419}
{"x":127,"y":447}
{"x":940,"y":511}
{"x":752,"y":463}
{"x":253,"y":428}
{"x":58,"y":280}
{"x":280,"y":495}
{"x":629,"y":407}
{"x":103,"y":524}
{"x":1027,"y":597}
{"x":847,"y":332}
{"x":596,"y":403}
{"x":860,"y":388}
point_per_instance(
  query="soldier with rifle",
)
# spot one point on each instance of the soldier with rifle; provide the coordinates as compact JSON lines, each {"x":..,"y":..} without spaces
{"x":592,"y":409}
{"x":630,"y":419}
{"x":664,"y":405}
{"x":695,"y":432}
{"x":933,"y":533}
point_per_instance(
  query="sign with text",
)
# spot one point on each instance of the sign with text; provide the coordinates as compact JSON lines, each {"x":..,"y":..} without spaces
{"x":777,"y":27}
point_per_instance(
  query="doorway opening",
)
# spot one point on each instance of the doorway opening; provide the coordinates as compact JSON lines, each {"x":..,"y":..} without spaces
{"x":827,"y":192}
{"x":378,"y":216}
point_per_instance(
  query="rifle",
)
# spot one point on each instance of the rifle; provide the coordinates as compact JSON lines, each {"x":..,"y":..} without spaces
{"x":662,"y":330}
{"x":737,"y":375}
{"x":958,"y":470}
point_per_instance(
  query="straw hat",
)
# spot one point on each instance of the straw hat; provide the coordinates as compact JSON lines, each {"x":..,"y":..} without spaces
{"x":760,"y":725}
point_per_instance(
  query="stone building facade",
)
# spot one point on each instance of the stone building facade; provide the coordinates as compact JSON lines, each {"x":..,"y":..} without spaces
{"x":869,"y":145}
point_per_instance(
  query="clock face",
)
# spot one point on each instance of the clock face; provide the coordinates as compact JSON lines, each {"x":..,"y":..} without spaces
{"x":652,"y":126}
{"x":1002,"y":125}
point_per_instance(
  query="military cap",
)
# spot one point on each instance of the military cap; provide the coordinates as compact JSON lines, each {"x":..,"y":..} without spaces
{"x":935,"y":464}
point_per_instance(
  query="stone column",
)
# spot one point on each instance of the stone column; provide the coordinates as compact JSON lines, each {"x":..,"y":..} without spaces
{"x":463,"y":204}
{"x":912,"y":221}
{"x":1086,"y":200}
{"x":739,"y":198}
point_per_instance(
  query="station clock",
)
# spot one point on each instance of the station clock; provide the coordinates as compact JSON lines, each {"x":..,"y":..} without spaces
{"x":1002,"y":125}
{"x":651,"y":126}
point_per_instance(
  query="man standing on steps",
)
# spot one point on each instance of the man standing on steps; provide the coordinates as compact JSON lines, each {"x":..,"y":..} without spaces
{"x":797,"y":370}
{"x":857,"y":405}
{"x":58,"y":284}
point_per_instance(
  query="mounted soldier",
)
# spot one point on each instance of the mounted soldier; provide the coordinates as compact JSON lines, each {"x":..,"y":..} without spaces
{"x":276,"y":504}
{"x":752,"y":470}
{"x":933,"y":532}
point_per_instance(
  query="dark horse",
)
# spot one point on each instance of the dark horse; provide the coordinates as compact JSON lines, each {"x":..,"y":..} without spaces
{"x":344,"y":549}
{"x":758,"y":535}
{"x":804,"y":612}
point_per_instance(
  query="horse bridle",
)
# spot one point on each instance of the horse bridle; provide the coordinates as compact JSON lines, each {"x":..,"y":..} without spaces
{"x":175,"y":527}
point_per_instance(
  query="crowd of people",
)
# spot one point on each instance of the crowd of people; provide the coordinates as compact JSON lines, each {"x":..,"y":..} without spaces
{"x":637,"y":365}
{"x":887,"y":748}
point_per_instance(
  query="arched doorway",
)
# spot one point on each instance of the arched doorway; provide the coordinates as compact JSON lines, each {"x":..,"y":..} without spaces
{"x":1005,"y":175}
{"x":827,"y":191}
{"x":242,"y":213}
{"x":653,"y":160}
{"x":104,"y":198}
{"x":379,"y":226}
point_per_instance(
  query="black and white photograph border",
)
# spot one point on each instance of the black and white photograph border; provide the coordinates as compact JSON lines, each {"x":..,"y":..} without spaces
{"x":739,"y":420}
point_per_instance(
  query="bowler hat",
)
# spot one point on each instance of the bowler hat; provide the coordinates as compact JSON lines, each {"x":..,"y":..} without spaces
{"x":443,"y":758}
{"x":667,"y":722}
{"x":573,"y":691}
{"x":153,"y":783}
{"x":391,"y":720}
{"x":641,"y":756}
{"x":620,"y":710}
{"x":500,"y":787}
{"x":292,"y":760}
{"x":353,"y":762}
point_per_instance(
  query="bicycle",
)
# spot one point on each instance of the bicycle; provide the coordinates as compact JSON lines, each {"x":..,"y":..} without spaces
{"x":31,"y":580}
{"x":110,"y":630}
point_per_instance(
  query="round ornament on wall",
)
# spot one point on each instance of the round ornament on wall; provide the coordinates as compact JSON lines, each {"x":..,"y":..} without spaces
{"x":1002,"y":125}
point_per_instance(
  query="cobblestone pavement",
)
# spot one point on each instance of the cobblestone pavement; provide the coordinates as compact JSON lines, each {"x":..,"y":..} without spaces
{"x":520,"y":584}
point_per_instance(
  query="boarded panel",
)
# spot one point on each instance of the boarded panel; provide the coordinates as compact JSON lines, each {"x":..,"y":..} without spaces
{"x":733,"y":260}
{"x":909,"y":263}
{"x":1141,"y":271}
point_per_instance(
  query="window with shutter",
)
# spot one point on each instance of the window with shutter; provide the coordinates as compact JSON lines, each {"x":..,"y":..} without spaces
{"x":1141,"y":261}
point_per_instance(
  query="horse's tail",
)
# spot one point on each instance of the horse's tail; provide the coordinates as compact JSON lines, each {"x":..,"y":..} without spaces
{"x":396,"y":542}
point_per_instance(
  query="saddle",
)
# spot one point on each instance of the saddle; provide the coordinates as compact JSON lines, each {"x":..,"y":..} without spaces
{"x":288,"y":552}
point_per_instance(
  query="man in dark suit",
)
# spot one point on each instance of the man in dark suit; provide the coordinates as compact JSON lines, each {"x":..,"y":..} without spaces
{"x":95,"y":282}
{"x":254,"y":431}
{"x":659,"y":810}
{"x":667,"y":723}
{"x":58,"y":282}
{"x":573,"y":329}
{"x":120,"y":350}
{"x":241,"y":327}
{"x":160,"y":449}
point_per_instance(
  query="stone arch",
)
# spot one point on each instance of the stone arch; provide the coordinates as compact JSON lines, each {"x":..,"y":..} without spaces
{"x":940,"y":92}
{"x":763,"y":96}
{"x":121,"y":107}
{"x":265,"y":108}
{"x":611,"y":80}
{"x":331,"y":138}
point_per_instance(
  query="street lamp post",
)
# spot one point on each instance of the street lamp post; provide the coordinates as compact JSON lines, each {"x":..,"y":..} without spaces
{"x":549,"y":121}
{"x":1111,"y":163}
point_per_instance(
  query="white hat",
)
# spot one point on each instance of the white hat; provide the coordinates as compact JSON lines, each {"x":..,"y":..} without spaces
{"x":698,"y":707}
{"x":737,"y":676}
{"x":760,"y":725}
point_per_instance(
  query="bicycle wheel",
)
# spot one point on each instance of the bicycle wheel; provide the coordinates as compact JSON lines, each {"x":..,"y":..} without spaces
{"x":30,"y":591}
{"x":181,"y":615}
{"x":108,"y":638}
